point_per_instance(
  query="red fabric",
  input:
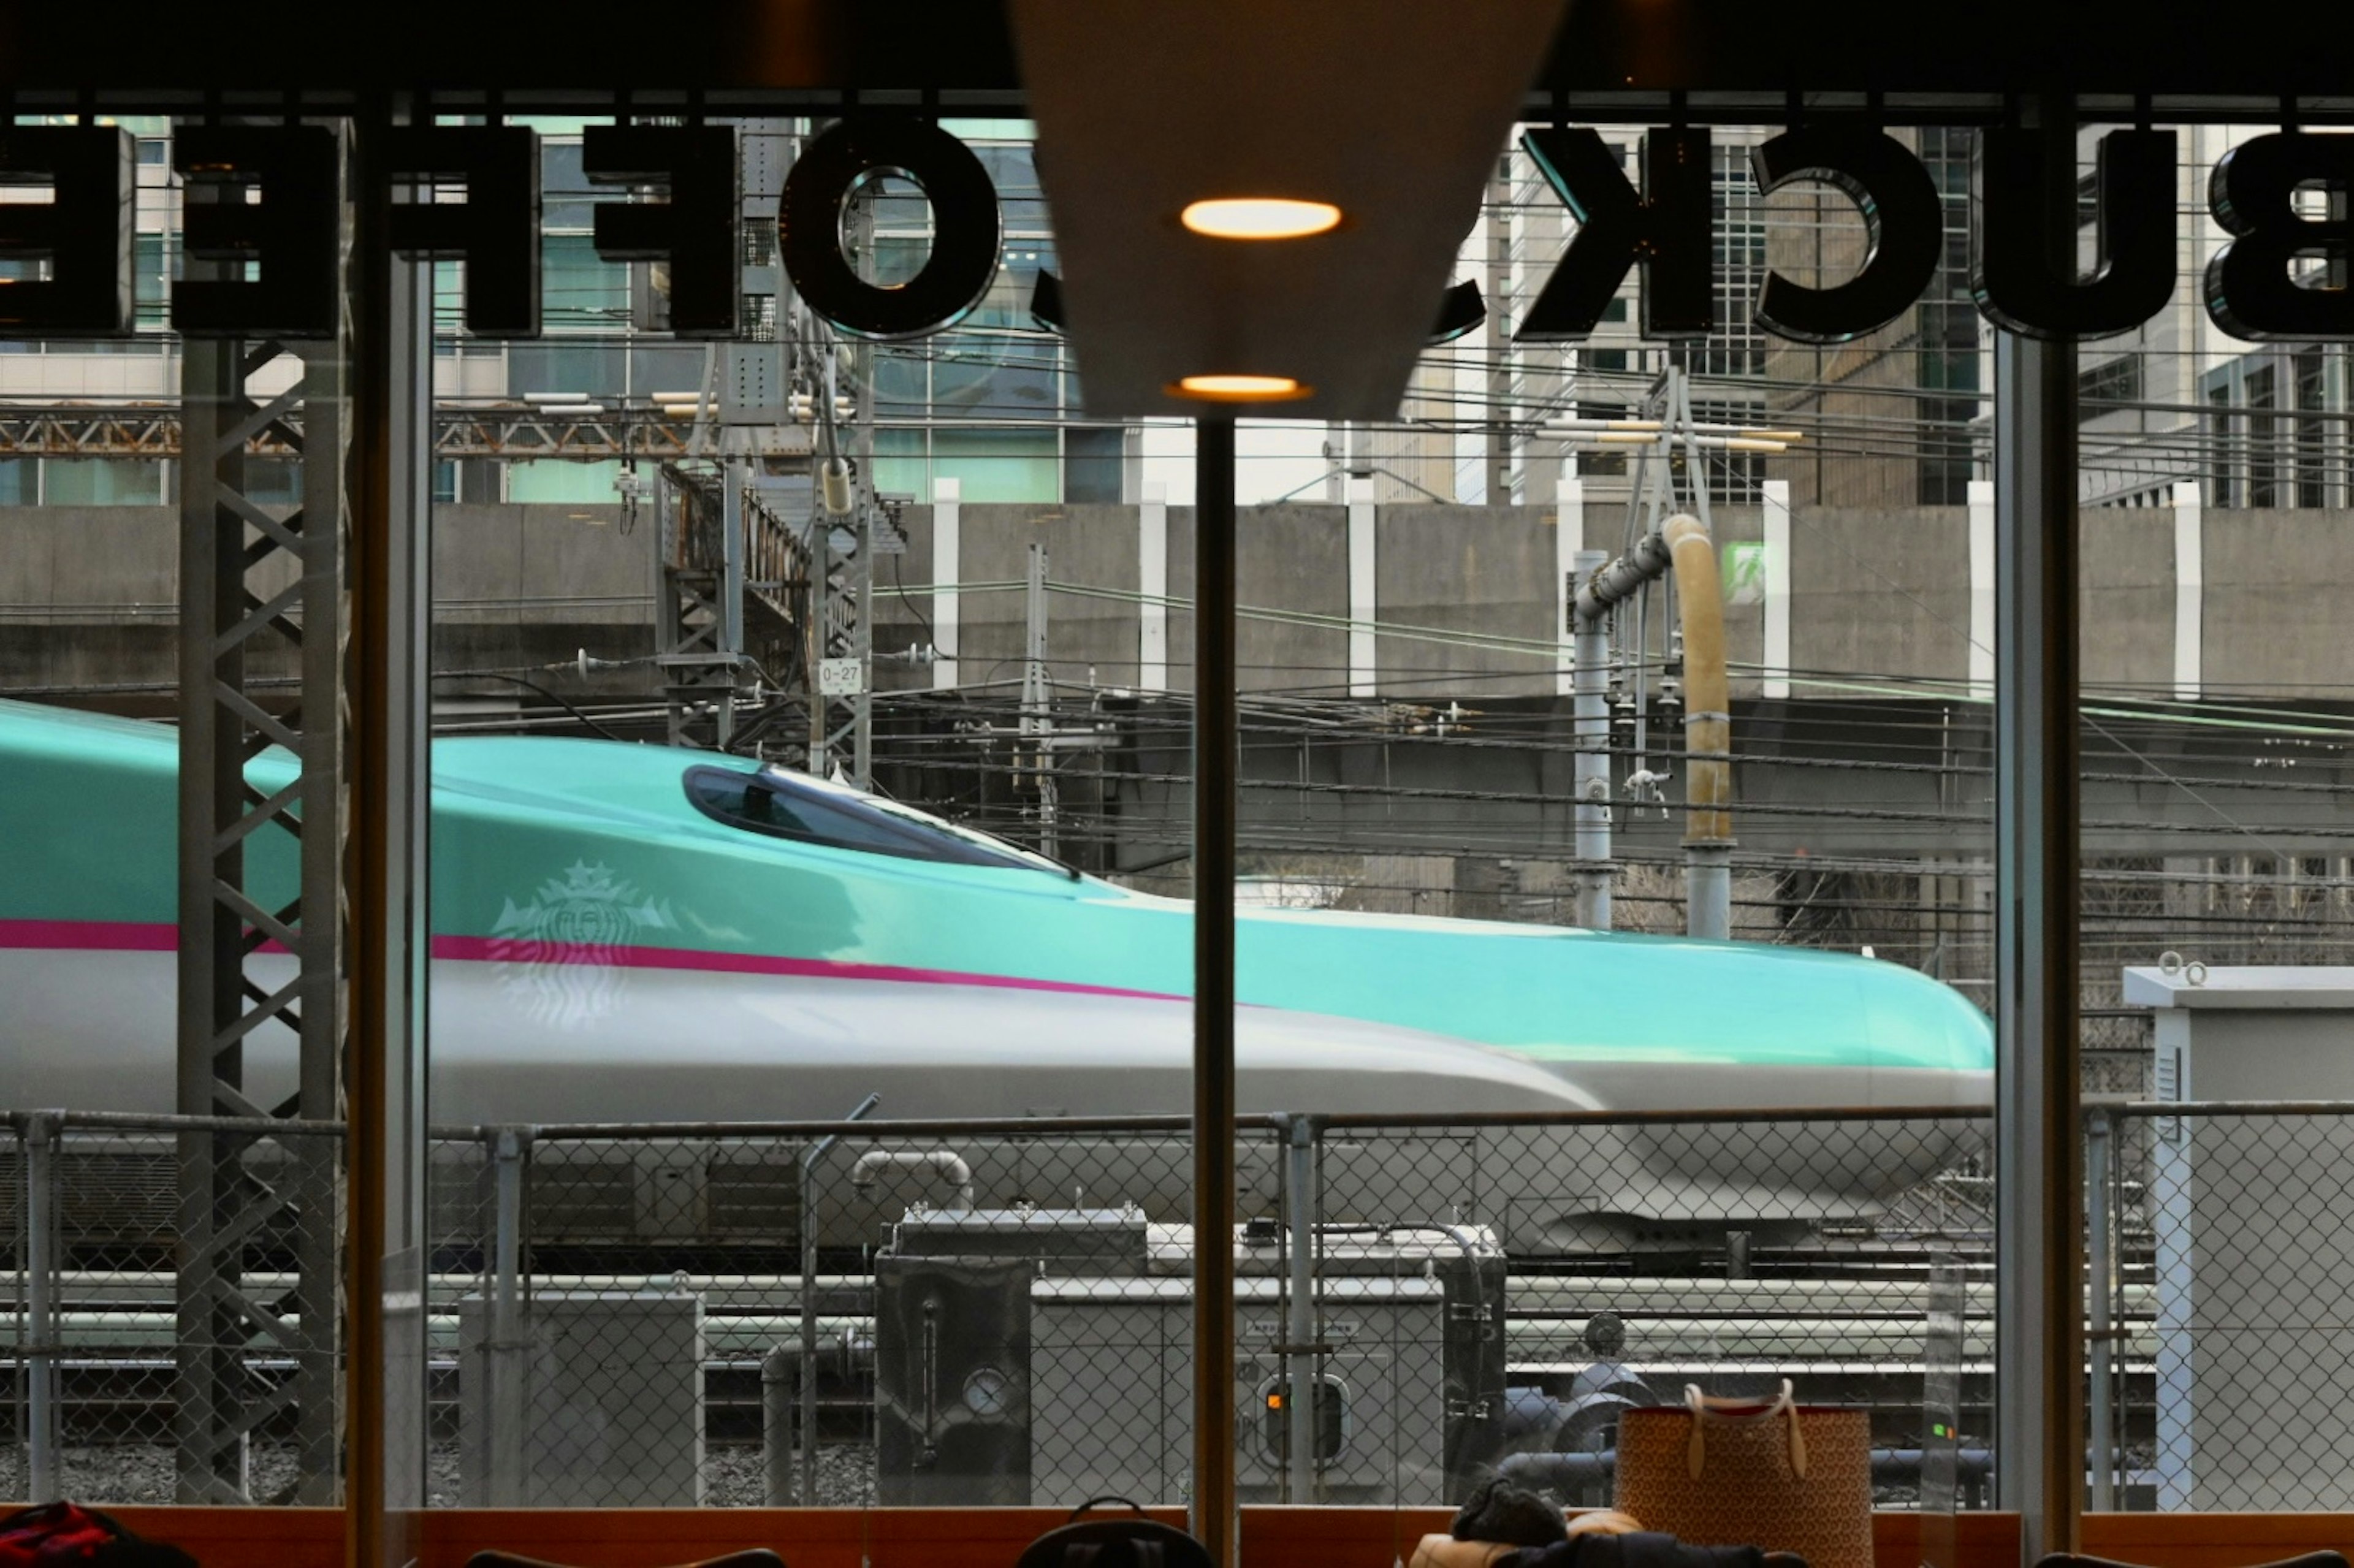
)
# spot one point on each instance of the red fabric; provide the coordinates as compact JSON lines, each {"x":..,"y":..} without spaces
{"x":56,"y":1535}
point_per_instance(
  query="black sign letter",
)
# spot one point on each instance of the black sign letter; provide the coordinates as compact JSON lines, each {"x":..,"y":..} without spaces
{"x":2253,"y":290}
{"x":1666,"y":230}
{"x":290,"y":234}
{"x":495,"y":231}
{"x":2019,"y":286}
{"x":694,"y":230}
{"x":1901,"y":215}
{"x":963,"y":261}
{"x":83,"y":231}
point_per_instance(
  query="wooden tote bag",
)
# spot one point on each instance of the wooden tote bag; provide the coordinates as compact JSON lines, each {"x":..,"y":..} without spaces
{"x":1780,"y":1475}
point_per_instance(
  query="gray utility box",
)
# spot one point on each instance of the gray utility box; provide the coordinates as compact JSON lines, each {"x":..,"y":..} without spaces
{"x":953,"y":1361}
{"x":1045,"y":1357}
{"x":2254,"y":1252}
{"x":1111,"y":1389}
{"x":595,"y":1403}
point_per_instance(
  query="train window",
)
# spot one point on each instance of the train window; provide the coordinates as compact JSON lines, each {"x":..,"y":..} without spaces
{"x":810,"y":811}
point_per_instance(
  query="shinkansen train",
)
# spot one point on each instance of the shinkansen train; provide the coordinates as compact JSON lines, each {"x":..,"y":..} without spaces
{"x":634,"y":933}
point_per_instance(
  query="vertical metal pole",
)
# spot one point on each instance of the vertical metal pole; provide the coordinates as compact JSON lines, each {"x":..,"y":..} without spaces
{"x":1215,"y":757}
{"x":507,"y":1359}
{"x":2100,"y":1217}
{"x":2038,"y":1246}
{"x":734,"y":477}
{"x":232,"y":588}
{"x":1590,"y":688}
{"x":809,"y":1157}
{"x":206,"y":1378}
{"x":390,"y":470}
{"x":1303,"y":1373}
{"x":779,"y":1396}
{"x":41,"y":1251}
{"x":1037,"y":723}
{"x":861,"y":648}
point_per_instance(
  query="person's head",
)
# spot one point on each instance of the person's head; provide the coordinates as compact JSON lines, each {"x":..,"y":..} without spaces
{"x":1499,"y":1510}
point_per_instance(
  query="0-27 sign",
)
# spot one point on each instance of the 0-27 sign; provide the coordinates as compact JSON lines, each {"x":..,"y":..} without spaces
{"x":267,"y":203}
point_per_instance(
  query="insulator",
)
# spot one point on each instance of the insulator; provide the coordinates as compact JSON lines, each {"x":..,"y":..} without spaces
{"x":1622,"y":722}
{"x":836,"y":477}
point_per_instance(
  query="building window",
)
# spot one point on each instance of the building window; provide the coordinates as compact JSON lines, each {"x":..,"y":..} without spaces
{"x":2264,"y":438}
{"x":102,"y":481}
{"x":2112,"y":382}
{"x":555,"y":480}
{"x":1948,"y":335}
{"x":2222,"y":435}
{"x":2310,"y":370}
{"x":1091,"y":464}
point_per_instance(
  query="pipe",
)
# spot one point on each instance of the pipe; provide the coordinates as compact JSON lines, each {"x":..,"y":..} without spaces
{"x":1303,"y":1373}
{"x":1708,"y":732}
{"x":506,"y":1355}
{"x":809,"y":1161}
{"x":949,"y":1166}
{"x":781,"y":1397}
{"x":781,"y":1379}
{"x":1590,"y":689}
{"x":1614,"y":584}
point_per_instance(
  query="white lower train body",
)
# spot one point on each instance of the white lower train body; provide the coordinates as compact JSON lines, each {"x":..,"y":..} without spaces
{"x":587,"y":1043}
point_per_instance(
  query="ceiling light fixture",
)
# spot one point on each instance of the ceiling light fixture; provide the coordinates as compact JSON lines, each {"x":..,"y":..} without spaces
{"x":1241,"y":388}
{"x":1260,"y":217}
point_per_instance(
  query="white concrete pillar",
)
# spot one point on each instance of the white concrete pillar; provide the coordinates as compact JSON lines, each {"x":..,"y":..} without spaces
{"x":947,"y":548}
{"x":1568,"y":539}
{"x":2189,"y":590}
{"x":1982,"y":589}
{"x":1777,"y":493}
{"x":1363,"y":611}
{"x":1152,"y":585}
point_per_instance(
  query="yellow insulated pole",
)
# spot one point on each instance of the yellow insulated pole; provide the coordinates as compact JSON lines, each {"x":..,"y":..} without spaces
{"x":1708,"y":732}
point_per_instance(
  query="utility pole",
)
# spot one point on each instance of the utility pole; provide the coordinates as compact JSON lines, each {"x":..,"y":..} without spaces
{"x":1664,"y":543}
{"x":1037,"y":725}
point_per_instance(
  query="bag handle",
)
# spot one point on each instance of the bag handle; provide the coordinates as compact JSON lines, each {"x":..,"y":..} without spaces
{"x":1705,"y":1409}
{"x":1128,"y":1503}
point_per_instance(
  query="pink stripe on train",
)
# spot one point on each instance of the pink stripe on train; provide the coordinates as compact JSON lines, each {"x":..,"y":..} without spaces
{"x":146,"y":936}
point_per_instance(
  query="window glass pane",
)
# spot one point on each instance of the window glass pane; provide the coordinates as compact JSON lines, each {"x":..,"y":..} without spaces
{"x":900,"y":465}
{"x":998,"y":466}
{"x":665,"y":369}
{"x":552,"y":480}
{"x":578,"y":292}
{"x":102,"y":481}
{"x":1091,"y":464}
{"x":995,"y":378}
{"x":586,"y":370}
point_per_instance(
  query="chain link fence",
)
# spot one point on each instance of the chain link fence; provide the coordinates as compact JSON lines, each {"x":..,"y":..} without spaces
{"x":1001,"y":1312}
{"x":2222,"y":1343}
{"x":970,"y":1313}
{"x":173,"y":1308}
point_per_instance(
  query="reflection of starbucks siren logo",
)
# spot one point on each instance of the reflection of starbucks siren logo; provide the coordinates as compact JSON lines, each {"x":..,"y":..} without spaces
{"x":562,"y":952}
